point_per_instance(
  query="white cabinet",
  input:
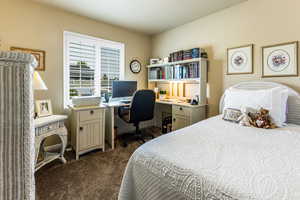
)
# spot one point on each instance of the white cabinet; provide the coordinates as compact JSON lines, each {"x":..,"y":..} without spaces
{"x":184,"y":116}
{"x":88,"y":129}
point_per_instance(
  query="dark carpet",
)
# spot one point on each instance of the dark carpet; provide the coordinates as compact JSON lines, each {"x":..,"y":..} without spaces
{"x":96,"y":175}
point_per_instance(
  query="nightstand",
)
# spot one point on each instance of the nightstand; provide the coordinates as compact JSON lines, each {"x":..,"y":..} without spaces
{"x":46,"y":127}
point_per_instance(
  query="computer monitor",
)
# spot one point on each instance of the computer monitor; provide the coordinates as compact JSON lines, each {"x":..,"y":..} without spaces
{"x":123,"y":88}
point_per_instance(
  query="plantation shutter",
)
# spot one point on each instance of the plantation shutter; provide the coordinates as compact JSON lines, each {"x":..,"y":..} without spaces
{"x":110,"y":67}
{"x":90,"y":65}
{"x":82,"y":68}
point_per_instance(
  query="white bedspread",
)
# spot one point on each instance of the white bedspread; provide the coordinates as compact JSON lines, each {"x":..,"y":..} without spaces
{"x":215,"y":159}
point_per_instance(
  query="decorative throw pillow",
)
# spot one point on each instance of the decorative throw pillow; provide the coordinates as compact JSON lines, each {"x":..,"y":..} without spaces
{"x":232,"y":115}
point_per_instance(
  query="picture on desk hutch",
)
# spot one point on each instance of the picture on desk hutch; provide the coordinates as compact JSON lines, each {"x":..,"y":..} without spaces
{"x":280,"y":60}
{"x":240,"y":60}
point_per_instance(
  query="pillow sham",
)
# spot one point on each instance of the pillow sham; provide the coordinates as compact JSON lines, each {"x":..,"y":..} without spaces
{"x":274,"y":100}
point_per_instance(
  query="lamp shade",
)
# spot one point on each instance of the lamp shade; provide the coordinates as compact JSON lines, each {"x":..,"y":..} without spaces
{"x":38,"y":83}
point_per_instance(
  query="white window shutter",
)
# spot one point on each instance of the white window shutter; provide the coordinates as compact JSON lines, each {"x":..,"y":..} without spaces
{"x":110,"y":67}
{"x":90,"y":64}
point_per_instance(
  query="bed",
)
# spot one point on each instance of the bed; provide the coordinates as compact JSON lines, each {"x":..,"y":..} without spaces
{"x":218,"y":160}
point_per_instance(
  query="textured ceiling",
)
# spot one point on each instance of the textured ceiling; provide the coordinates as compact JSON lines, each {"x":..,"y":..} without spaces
{"x":147,"y":16}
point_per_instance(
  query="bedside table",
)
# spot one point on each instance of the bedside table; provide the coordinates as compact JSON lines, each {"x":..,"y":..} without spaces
{"x":46,"y":127}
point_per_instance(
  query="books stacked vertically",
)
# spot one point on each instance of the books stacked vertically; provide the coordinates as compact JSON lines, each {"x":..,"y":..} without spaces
{"x":187,"y":54}
{"x":176,"y":56}
{"x":187,"y":71}
{"x":155,"y":73}
{"x":169,"y":72}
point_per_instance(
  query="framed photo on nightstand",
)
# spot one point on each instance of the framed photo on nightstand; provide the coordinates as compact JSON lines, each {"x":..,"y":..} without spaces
{"x":43,"y":108}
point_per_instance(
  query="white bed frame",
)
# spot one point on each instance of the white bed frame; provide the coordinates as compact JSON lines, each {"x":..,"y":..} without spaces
{"x":293,"y":115}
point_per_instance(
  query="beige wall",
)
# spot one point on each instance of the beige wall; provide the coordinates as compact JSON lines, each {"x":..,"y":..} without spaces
{"x":261,"y":22}
{"x":31,"y":25}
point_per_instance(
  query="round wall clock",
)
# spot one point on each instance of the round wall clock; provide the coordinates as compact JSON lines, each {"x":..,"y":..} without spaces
{"x":135,"y":66}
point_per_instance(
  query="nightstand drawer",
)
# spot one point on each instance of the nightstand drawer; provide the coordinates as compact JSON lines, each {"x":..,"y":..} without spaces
{"x":88,"y":115}
{"x":181,"y":110}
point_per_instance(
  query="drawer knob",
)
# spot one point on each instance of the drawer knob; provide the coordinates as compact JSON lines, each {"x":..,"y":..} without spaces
{"x":92,"y":112}
{"x":180,"y":108}
{"x":174,"y":119}
{"x":80,"y":128}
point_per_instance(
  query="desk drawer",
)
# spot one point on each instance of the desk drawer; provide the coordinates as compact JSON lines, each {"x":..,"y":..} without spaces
{"x":93,"y":114}
{"x":181,"y":110}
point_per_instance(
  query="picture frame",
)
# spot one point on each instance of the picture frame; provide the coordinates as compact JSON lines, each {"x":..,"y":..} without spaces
{"x":280,"y":60}
{"x":39,"y":55}
{"x":43,"y":108}
{"x":154,"y":61}
{"x":240,"y":60}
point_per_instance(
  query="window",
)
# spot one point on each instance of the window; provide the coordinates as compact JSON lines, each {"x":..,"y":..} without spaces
{"x":90,"y":65}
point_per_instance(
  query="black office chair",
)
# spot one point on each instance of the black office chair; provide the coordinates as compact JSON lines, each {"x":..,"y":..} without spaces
{"x":141,"y":109}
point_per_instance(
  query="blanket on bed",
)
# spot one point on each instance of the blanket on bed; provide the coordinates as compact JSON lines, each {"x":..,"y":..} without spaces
{"x":216,"y":160}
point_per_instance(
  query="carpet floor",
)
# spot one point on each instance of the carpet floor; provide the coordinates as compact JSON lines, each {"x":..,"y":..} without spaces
{"x":96,"y":175}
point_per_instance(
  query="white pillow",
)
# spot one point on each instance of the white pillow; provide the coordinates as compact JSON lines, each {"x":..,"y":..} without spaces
{"x":275,"y":100}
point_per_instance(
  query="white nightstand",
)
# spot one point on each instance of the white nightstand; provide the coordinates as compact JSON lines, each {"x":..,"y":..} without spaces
{"x":45,"y":127}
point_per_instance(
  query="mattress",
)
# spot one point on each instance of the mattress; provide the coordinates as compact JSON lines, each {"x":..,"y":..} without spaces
{"x":215,"y":159}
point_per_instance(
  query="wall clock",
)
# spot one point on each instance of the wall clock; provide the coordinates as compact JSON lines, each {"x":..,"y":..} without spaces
{"x":135,"y":66}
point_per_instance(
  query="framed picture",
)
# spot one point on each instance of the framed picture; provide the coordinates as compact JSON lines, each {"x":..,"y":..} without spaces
{"x":280,"y":60}
{"x":43,"y":108}
{"x":240,"y":60}
{"x":154,"y":61}
{"x":39,"y":55}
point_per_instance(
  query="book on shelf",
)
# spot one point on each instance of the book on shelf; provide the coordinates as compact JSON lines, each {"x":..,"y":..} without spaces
{"x":184,"y":71}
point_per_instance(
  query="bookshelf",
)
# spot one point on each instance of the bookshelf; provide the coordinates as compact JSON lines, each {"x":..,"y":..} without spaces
{"x":181,"y":79}
{"x":191,"y":70}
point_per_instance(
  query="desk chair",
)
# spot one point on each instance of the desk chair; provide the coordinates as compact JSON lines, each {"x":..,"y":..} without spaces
{"x":141,"y":109}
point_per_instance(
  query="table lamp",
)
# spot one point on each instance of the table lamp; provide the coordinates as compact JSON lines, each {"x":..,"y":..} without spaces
{"x":38,"y":83}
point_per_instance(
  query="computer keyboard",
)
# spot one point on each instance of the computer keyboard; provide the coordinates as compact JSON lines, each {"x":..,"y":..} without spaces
{"x":126,"y":101}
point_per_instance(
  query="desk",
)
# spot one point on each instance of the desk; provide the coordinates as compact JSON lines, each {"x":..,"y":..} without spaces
{"x":110,"y":121}
{"x":183,"y":114}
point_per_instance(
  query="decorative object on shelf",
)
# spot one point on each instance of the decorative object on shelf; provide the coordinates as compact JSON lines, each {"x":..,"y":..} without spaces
{"x":43,"y":108}
{"x":162,"y":94}
{"x":240,"y":60}
{"x":166,"y":60}
{"x":39,"y":55}
{"x":135,"y":66}
{"x":280,"y":60}
{"x":154,"y":61}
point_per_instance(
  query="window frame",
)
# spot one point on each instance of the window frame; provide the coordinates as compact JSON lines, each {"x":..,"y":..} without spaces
{"x":99,"y":43}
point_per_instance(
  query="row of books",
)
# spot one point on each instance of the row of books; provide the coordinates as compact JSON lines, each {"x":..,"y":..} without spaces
{"x":186,"y":71}
{"x":187,"y":54}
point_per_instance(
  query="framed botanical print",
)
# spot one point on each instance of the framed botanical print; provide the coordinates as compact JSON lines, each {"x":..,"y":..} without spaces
{"x":240,"y":60}
{"x":39,"y":55}
{"x":280,"y":60}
